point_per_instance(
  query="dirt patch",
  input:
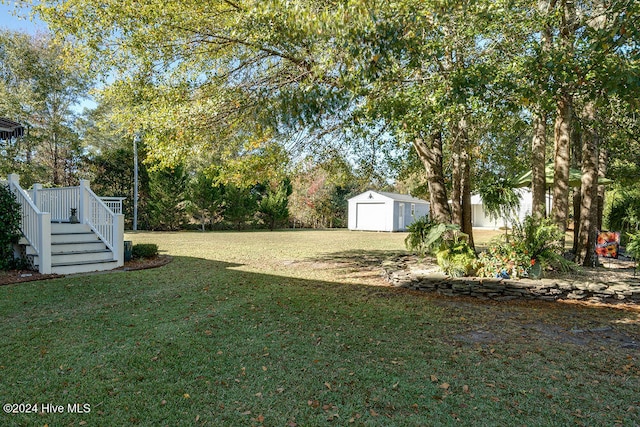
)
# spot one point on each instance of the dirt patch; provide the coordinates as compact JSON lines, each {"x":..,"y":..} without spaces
{"x":19,"y":276}
{"x":146,"y":263}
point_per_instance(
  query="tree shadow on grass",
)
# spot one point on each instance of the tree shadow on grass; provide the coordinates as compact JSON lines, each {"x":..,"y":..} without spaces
{"x":359,"y":258}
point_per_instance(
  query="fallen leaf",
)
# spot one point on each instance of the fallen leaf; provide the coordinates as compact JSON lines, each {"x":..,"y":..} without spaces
{"x":444,"y":386}
{"x":163,"y":402}
{"x":327,"y":385}
{"x":434,"y":379}
{"x":259,"y":394}
{"x":197,"y":418}
{"x":264,"y":368}
{"x":246,"y":413}
{"x":186,"y":396}
{"x":373,"y":413}
{"x":465,"y":388}
{"x":260,"y":418}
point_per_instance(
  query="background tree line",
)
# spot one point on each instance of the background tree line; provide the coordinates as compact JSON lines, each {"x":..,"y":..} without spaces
{"x":448,"y":96}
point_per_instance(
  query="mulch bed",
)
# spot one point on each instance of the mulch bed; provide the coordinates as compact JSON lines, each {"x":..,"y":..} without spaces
{"x":18,"y":276}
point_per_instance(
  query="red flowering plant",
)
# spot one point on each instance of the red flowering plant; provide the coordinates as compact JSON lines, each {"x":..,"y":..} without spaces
{"x":531,"y":241}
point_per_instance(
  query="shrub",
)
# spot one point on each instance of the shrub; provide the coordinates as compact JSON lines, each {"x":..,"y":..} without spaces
{"x":531,"y":241}
{"x":453,"y":253}
{"x":144,"y":250}
{"x":9,"y":227}
{"x":427,"y":236}
{"x":456,"y":258}
{"x":633,"y":247}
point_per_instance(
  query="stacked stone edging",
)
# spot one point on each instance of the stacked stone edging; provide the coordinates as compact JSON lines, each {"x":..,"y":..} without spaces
{"x":398,"y":274}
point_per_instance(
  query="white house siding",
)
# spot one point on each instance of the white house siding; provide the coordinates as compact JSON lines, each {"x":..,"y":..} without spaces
{"x":480,"y":218}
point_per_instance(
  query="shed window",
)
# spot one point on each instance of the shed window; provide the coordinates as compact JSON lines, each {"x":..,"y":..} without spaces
{"x":413,"y":209}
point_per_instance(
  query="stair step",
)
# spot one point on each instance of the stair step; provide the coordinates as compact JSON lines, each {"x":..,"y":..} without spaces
{"x":73,"y":237}
{"x":81,"y":256}
{"x":78,"y":246}
{"x":66,"y":264}
{"x":68,"y":228}
{"x":84,"y":267}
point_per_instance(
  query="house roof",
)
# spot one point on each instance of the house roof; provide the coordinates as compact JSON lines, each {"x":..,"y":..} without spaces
{"x":10,"y":129}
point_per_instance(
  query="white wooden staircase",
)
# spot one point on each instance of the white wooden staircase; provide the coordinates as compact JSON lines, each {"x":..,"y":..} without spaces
{"x":53,"y":244}
{"x":75,"y":248}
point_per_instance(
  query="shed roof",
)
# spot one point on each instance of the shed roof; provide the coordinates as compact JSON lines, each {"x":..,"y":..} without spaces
{"x":393,"y":196}
{"x":402,"y":197}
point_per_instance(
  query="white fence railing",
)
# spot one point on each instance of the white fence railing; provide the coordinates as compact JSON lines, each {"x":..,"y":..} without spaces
{"x":114,"y":203}
{"x":34,"y":224}
{"x":108,"y":225}
{"x":57,"y":201}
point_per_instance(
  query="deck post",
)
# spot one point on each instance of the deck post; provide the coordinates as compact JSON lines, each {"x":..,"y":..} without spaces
{"x":14,"y":178}
{"x":34,"y":193}
{"x":118,"y":237}
{"x":83,"y":209}
{"x":44,"y":251}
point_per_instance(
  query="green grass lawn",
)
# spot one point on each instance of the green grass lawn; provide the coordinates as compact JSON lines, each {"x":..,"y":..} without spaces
{"x":292,"y":328}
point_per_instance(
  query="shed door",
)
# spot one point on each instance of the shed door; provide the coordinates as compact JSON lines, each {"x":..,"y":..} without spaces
{"x":370,"y":216}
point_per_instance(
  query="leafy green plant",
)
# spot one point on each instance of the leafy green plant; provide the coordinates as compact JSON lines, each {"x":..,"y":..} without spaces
{"x":427,"y":236}
{"x":451,"y":247}
{"x":456,"y":258}
{"x":144,"y":250}
{"x":633,"y":247}
{"x":532,"y":241}
{"x":9,"y":227}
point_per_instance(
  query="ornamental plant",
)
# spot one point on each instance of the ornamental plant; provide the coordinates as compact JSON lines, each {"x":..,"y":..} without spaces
{"x":531,"y":241}
{"x":451,"y":248}
{"x":144,"y":250}
{"x":9,"y":227}
{"x":633,"y":247}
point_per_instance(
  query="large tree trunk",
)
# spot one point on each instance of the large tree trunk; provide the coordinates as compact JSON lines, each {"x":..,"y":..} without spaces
{"x":576,"y":161}
{"x":603,"y":158}
{"x":466,"y":224}
{"x":430,"y":153}
{"x":560,"y":210}
{"x":538,"y":177}
{"x":456,"y":177}
{"x":588,"y":194}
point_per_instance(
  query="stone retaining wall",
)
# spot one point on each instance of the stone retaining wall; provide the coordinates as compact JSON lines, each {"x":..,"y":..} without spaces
{"x":398,"y":274}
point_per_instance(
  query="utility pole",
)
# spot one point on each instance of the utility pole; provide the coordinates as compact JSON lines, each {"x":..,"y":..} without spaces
{"x":135,"y":181}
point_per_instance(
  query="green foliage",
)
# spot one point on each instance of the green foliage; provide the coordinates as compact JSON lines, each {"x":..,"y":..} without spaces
{"x":633,"y":246}
{"x":623,"y":211}
{"x":451,"y":247}
{"x":205,"y":199}
{"x":499,"y":199}
{"x":503,"y":259}
{"x":240,"y":205}
{"x":144,"y":250}
{"x":427,"y":236}
{"x":532,"y":240}
{"x":9,"y":226}
{"x":456,"y":257}
{"x":274,"y":205}
{"x":166,"y":199}
{"x":40,"y":81}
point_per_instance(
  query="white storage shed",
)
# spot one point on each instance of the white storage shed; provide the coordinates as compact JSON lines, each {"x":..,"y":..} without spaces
{"x":381,"y":211}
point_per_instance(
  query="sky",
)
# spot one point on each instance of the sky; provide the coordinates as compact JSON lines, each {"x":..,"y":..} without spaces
{"x":22,"y":22}
{"x":15,"y":19}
